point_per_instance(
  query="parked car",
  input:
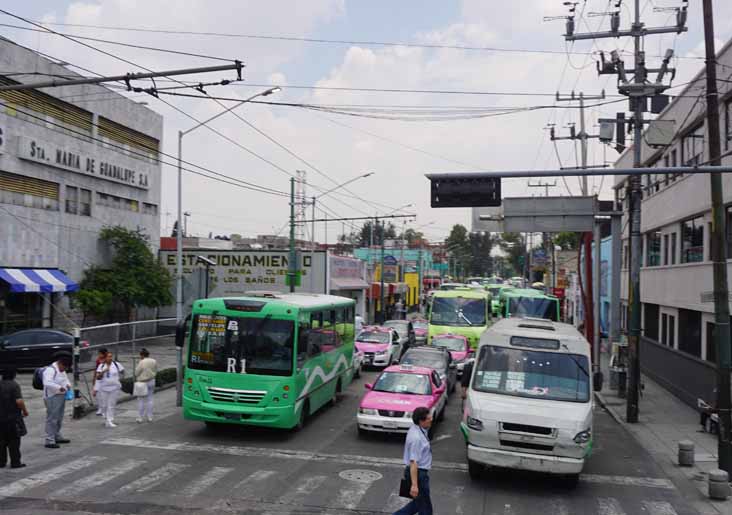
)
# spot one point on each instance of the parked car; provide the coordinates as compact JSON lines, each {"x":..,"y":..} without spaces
{"x":421,"y":328}
{"x":398,"y":390}
{"x":436,"y":358}
{"x":405,"y":329}
{"x":458,"y":347}
{"x":32,"y":348}
{"x":381,"y":346}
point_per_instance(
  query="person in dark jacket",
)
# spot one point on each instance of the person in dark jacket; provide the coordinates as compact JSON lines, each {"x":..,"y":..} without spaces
{"x":12,"y":427}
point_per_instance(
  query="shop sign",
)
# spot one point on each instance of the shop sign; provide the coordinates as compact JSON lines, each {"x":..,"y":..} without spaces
{"x":342,"y":267}
{"x":390,"y":260}
{"x":80,"y":162}
{"x":390,"y":273}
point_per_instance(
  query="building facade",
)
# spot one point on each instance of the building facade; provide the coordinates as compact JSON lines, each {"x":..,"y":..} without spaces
{"x":73,"y":160}
{"x":676,"y":274}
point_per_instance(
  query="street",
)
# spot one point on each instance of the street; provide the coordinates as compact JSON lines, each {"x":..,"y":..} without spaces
{"x":178,"y":466}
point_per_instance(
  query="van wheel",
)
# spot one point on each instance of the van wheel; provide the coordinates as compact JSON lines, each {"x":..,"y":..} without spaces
{"x":303,"y":416}
{"x":475,"y":469}
{"x":336,"y":393}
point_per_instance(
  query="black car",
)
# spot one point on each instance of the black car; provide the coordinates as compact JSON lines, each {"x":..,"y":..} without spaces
{"x":435,"y":358}
{"x":32,"y":348}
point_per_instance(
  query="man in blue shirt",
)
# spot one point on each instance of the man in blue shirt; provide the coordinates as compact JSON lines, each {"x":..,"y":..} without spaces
{"x":418,"y":462}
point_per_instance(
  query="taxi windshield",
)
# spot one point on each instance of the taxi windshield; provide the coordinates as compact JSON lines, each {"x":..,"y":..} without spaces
{"x":373,"y":337}
{"x":400,"y":382}
{"x":455,"y":344}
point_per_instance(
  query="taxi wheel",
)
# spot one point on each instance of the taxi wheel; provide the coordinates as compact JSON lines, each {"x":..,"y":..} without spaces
{"x":474,"y":469}
{"x":362,"y":433}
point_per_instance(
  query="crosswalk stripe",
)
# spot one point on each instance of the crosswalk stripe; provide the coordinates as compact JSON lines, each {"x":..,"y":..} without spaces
{"x":609,"y":506}
{"x":206,"y":481}
{"x":246,"y":486}
{"x":47,"y":476}
{"x":648,"y":482}
{"x":97,"y":479}
{"x":152,"y":479}
{"x":351,"y":494}
{"x":296,"y":496}
{"x":659,"y":508}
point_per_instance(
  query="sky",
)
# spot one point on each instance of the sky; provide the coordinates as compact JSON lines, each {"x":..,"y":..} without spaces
{"x":517,"y":60}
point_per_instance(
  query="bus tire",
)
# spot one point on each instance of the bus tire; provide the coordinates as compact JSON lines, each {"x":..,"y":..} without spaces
{"x":475,"y":470}
{"x":336,"y":393}
{"x":357,"y":373}
{"x":303,"y":416}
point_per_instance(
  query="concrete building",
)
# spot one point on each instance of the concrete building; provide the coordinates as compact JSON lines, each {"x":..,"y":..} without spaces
{"x":73,"y":159}
{"x":676,"y":276}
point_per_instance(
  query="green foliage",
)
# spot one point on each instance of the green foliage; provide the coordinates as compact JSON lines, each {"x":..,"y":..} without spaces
{"x":567,"y":240}
{"x":134,"y":279}
{"x":514,"y":245}
{"x":380,"y":233}
{"x":471,"y":251}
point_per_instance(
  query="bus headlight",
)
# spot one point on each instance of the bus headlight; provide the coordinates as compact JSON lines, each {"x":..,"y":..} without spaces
{"x":474,"y":423}
{"x":367,"y":411}
{"x":583,"y":437}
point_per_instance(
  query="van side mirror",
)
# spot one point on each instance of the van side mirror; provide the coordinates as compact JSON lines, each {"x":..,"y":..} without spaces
{"x":180,"y":332}
{"x":597,"y":381}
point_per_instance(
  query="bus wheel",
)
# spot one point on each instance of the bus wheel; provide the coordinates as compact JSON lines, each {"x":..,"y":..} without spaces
{"x":336,"y":393}
{"x":303,"y":416}
{"x":474,"y":469}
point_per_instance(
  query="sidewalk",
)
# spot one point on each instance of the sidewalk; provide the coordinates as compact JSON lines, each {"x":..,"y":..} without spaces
{"x":662,"y":423}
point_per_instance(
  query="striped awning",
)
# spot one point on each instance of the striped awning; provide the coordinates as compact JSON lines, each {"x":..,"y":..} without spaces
{"x":37,"y":280}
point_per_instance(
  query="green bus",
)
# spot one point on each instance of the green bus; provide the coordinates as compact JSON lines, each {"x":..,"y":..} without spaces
{"x":495,"y":291}
{"x":463,"y":311}
{"x":527,"y":302}
{"x":266,"y":359}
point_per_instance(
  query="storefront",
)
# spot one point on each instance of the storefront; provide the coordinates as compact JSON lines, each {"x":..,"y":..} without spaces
{"x":347,"y":278}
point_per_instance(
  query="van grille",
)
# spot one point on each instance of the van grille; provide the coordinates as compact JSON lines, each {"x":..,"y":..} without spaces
{"x":236,"y":396}
{"x":525,"y":428}
{"x":527,"y":445}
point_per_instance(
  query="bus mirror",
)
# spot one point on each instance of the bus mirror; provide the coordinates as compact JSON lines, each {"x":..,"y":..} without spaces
{"x":180,"y":332}
{"x":597,"y":380}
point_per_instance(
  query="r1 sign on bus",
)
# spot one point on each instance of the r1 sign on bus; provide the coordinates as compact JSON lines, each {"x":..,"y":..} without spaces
{"x":464,"y":190}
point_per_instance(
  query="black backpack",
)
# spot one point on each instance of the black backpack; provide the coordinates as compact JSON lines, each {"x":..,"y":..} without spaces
{"x":38,"y":377}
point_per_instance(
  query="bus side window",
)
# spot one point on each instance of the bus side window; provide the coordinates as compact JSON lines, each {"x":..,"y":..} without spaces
{"x":302,"y":343}
{"x":340,"y":327}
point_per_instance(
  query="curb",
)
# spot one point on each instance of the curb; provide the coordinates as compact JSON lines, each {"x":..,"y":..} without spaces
{"x":601,"y":399}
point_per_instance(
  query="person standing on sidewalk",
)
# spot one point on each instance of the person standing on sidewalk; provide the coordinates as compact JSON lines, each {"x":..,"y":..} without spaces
{"x":418,"y":462}
{"x":145,"y":372}
{"x":108,"y":375}
{"x":12,"y":427}
{"x":101,"y":356}
{"x":55,"y":386}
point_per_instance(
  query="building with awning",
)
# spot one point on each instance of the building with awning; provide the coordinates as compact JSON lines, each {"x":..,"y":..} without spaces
{"x":347,"y":278}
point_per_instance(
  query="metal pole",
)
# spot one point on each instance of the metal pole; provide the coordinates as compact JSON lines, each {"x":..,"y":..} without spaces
{"x":312,"y":228}
{"x":77,"y":396}
{"x":635,"y":236}
{"x":179,"y":275}
{"x":382,"y":309}
{"x":596,"y":299}
{"x":719,"y":258}
{"x":420,"y":273}
{"x":617,"y":257}
{"x":208,"y":275}
{"x":583,"y":140}
{"x":292,"y":270}
{"x":134,"y":349}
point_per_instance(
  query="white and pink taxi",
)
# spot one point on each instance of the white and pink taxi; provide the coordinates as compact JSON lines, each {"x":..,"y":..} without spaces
{"x":398,"y":390}
{"x":380,"y":346}
{"x":459,"y":348}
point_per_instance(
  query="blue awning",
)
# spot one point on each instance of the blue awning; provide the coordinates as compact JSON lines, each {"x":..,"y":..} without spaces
{"x":37,"y":280}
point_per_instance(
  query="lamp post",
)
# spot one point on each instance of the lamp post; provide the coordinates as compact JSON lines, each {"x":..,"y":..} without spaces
{"x":179,"y":235}
{"x":328,"y":192}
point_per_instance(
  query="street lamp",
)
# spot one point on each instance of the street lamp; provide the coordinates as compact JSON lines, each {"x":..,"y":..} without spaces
{"x":208,"y":263}
{"x":186,"y":215}
{"x":179,"y":235}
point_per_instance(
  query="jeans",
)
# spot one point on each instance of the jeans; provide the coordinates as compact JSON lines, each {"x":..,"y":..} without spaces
{"x":145,"y":404}
{"x":9,"y":444}
{"x":422,"y":505}
{"x":54,"y":417}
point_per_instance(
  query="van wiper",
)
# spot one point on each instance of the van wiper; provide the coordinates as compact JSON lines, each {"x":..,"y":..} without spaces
{"x":582,"y":368}
{"x":465,"y":318}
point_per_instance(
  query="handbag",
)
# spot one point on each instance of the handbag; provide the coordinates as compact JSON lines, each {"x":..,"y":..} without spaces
{"x":20,"y":429}
{"x":404,"y":487}
{"x":140,"y":389}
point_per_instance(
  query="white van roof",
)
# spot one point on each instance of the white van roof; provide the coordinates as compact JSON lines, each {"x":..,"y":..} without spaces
{"x":501,"y":332}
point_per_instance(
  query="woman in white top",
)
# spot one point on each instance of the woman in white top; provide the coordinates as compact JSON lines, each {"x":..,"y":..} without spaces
{"x":108,"y":386}
{"x":145,"y":372}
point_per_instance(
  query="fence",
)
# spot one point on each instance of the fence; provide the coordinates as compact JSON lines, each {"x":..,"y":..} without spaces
{"x":125,"y":341}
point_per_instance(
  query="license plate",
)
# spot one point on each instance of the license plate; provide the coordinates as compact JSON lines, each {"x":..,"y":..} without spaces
{"x":232,"y":416}
{"x":389,"y":424}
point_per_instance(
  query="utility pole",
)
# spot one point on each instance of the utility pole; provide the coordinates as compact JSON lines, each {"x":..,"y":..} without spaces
{"x":718,"y":251}
{"x":382,"y":310}
{"x":638,"y":92}
{"x":545,"y":185}
{"x":292,"y":265}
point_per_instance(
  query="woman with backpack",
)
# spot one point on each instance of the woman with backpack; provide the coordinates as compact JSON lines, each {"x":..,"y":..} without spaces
{"x":108,"y":386}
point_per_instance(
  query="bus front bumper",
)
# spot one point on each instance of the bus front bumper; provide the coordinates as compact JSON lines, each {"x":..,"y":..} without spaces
{"x":525,"y":461}
{"x":271,"y":416}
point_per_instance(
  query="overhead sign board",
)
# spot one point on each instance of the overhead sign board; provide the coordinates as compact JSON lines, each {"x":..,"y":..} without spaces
{"x":549,"y":214}
{"x":464,"y":190}
{"x":487,"y":219}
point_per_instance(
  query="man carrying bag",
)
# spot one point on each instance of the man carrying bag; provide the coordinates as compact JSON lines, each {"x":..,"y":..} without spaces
{"x":418,"y":462}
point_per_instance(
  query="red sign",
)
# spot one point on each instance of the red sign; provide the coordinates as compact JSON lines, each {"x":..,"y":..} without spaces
{"x":558,"y":292}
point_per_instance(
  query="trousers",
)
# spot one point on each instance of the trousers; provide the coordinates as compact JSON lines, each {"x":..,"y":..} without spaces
{"x":54,"y":417}
{"x":109,"y":401}
{"x":9,"y":444}
{"x":422,"y":505}
{"x":145,"y":404}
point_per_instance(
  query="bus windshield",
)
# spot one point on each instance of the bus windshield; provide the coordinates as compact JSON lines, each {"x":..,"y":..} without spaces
{"x":535,"y":374}
{"x":458,"y":311}
{"x":263,"y":346}
{"x":534,"y":307}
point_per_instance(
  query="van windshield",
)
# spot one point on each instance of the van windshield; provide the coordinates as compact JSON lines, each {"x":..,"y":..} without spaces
{"x":458,"y":311}
{"x":533,"y":307}
{"x":528,"y":373}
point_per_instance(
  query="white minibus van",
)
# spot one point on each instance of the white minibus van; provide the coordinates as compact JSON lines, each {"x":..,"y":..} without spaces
{"x":529,"y":403}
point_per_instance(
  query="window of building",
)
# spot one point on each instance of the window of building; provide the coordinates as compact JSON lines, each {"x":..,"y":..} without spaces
{"x":149,"y":209}
{"x":673,"y":248}
{"x":672,"y":331}
{"x":650,"y":318}
{"x":664,"y":328}
{"x":85,"y":202}
{"x":690,"y":328}
{"x":665,"y":249}
{"x":653,"y":248}
{"x":692,"y":240}
{"x":20,"y":190}
{"x":728,"y":124}
{"x":729,"y":232}
{"x":72,"y":199}
{"x":711,"y":348}
{"x":692,"y":146}
{"x":625,"y":256}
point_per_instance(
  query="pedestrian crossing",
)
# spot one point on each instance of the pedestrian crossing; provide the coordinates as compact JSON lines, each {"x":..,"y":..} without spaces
{"x":315,"y":488}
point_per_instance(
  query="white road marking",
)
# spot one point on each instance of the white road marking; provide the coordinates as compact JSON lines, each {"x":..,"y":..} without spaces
{"x":152,"y":479}
{"x":659,"y":508}
{"x":648,"y":482}
{"x":97,"y":479}
{"x":41,"y":478}
{"x":246,"y":486}
{"x":351,"y":494}
{"x":609,"y":506}
{"x":297,"y":496}
{"x":507,"y":510}
{"x":206,"y":481}
{"x":440,"y":438}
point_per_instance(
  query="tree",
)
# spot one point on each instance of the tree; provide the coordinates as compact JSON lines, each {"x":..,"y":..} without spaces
{"x":567,"y":240}
{"x":514,"y":245}
{"x":459,"y":247}
{"x":413,"y":237}
{"x":134,"y":278}
{"x":380,"y":234}
{"x":174,"y":232}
